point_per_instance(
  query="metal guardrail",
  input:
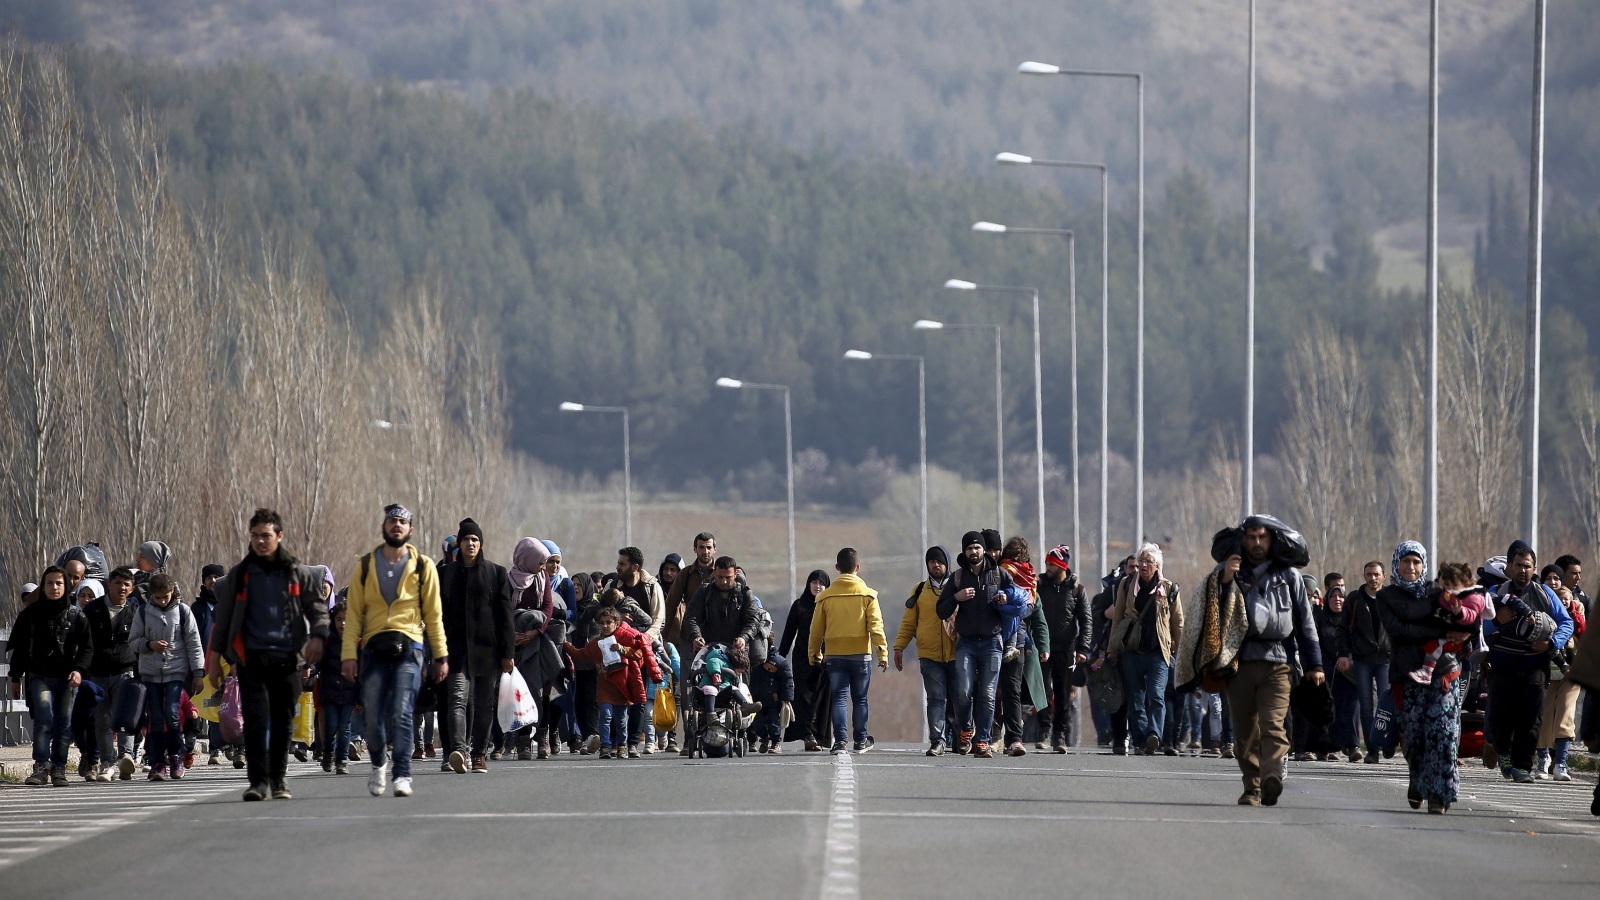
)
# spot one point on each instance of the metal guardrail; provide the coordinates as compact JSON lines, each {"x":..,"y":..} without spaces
{"x":13,"y":713}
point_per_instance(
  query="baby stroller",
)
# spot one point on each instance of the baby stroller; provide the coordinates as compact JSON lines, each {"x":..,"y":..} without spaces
{"x":722,"y":729}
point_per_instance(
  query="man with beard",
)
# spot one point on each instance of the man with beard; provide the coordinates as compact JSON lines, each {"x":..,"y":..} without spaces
{"x":974,"y":594}
{"x":1281,"y":629}
{"x":936,"y":650}
{"x":1529,"y":624}
{"x":475,"y":595}
{"x":684,"y":587}
{"x":393,"y":604}
{"x":1066,"y":610}
{"x":270,"y":625}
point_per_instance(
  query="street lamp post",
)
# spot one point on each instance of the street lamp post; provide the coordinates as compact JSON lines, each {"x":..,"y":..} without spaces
{"x":956,"y":284}
{"x":1530,"y":446}
{"x":922,"y":424}
{"x":1072,"y":319}
{"x":1017,"y":159}
{"x":1430,"y":487}
{"x":788,"y":456}
{"x":627,"y":463}
{"x":999,"y":416}
{"x":1037,"y":68}
{"x":1247,"y":498}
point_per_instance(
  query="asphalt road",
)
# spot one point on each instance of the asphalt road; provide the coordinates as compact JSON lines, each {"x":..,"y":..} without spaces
{"x":889,"y":823}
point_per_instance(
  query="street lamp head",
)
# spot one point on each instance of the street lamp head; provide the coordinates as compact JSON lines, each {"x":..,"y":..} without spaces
{"x":1038,"y":68}
{"x":729,"y":383}
{"x":857,"y":354}
{"x":1013,"y":159}
{"x":956,"y":284}
{"x":569,"y":406}
{"x":927,"y":325}
{"x":988,"y":228}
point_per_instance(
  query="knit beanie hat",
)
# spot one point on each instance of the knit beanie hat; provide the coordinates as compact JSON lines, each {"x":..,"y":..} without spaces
{"x":992,"y":540}
{"x":1060,"y":557}
{"x":1519,"y":547}
{"x":469,"y":527}
{"x":970,"y":538}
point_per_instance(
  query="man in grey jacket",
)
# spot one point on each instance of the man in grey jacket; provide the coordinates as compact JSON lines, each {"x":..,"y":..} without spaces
{"x":1282,"y":633}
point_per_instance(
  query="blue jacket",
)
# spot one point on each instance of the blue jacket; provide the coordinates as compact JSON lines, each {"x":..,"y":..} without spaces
{"x":774,"y":686}
{"x":1507,"y":655}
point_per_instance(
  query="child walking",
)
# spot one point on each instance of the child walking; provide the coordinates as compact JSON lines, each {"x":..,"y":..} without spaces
{"x":165,"y":636}
{"x":623,"y":654}
{"x":338,"y":696}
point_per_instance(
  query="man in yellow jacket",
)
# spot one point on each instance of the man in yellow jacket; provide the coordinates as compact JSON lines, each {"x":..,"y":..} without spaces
{"x":936,"y":649}
{"x":392,"y":604}
{"x":846,"y":633}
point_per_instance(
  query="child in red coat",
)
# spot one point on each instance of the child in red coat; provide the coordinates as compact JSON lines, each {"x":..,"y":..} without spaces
{"x":624,"y":654}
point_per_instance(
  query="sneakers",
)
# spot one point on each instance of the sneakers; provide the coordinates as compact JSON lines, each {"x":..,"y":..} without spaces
{"x":402,"y":787}
{"x":605,"y":752}
{"x":445,"y":766}
{"x":1012,"y":654}
{"x":280,"y":790}
{"x":838,"y":748}
{"x":980,"y":750}
{"x":457,"y":762}
{"x":341,"y":768}
{"x":158,"y":773}
{"x":1227,"y":751}
{"x":650,"y":747}
{"x":188,"y":759}
{"x":40,"y":776}
{"x":89,"y":772}
{"x":812,"y":746}
{"x":497,"y":755}
{"x":1304,"y":756}
{"x":356,"y":747}
{"x":238,"y":759}
{"x":428,"y":751}
{"x":1521,"y":776}
{"x":327,"y":762}
{"x":935,"y":748}
{"x":1353,"y":754}
{"x":301,"y":754}
{"x":104,"y":775}
{"x":633,"y":751}
{"x":257,"y":792}
{"x":1506,"y":771}
{"x":776,"y":748}
{"x":378,"y":780}
{"x":1058,"y":744}
{"x":416,"y":754}
{"x":864,"y":746}
{"x":1559,"y":773}
{"x":480,"y":765}
{"x":175,"y":768}
{"x":1541,"y":767}
{"x":1211,"y":753}
{"x":215,"y":759}
{"x":1041,"y":746}
{"x":1271,"y":789}
{"x":126,"y":767}
{"x":1016,"y":749}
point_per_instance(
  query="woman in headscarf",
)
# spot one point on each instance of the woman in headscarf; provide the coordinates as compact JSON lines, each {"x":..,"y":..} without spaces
{"x":1409,"y":609}
{"x":539,"y":634}
{"x":810,"y":712}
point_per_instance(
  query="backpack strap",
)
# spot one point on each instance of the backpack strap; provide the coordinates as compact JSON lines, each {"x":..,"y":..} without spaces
{"x":366,"y":565}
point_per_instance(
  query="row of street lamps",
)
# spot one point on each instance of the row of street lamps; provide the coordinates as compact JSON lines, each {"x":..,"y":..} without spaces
{"x":1247,"y":499}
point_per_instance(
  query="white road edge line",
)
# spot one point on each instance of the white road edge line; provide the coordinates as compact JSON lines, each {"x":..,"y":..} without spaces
{"x":841,"y":868}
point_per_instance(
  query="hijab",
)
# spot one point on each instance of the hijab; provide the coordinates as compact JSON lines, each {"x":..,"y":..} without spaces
{"x":1410,"y":548}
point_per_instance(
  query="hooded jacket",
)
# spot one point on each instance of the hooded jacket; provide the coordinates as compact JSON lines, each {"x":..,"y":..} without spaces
{"x":921,"y":621}
{"x":848,"y":622}
{"x":476,"y":602}
{"x":305,"y":613}
{"x":184,"y":657}
{"x":770,"y":686}
{"x":980,"y":616}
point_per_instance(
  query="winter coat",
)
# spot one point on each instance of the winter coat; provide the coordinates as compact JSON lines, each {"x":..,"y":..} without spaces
{"x":1511,"y":655}
{"x":718,"y":618}
{"x":333,"y":689}
{"x":921,"y":623}
{"x":108,"y":629}
{"x":205,"y":613}
{"x":1360,"y":633}
{"x":50,"y":638}
{"x":774,"y":685}
{"x":981,"y":616}
{"x":1066,"y":609}
{"x":684,"y":590}
{"x":540,"y":660}
{"x":1168,"y":611}
{"x":184,"y":657}
{"x":476,"y":606}
{"x":414,"y":613}
{"x":1411,"y":621}
{"x":307,"y":615}
{"x":1281,"y":626}
{"x":623,"y":684}
{"x":848,"y":622}
{"x":655,"y":605}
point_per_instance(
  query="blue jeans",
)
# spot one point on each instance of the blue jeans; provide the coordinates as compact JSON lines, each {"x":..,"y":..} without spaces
{"x":1144,"y":683}
{"x":613,"y":725}
{"x":977,"y":676}
{"x":336,"y":723}
{"x":50,"y":704}
{"x":389,"y":694}
{"x":769,"y":722}
{"x":166,"y":722}
{"x":1372,"y":683}
{"x":847,"y":687}
{"x":1205,"y":715}
{"x":938,"y":680}
{"x":1346,"y":712}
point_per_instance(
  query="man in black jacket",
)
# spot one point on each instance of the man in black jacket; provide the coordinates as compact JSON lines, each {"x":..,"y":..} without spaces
{"x":971,"y":594}
{"x":270,"y":624}
{"x":722,"y":612}
{"x":110,"y":620}
{"x":1362,"y":652}
{"x":50,"y":651}
{"x":476,"y":598}
{"x":1066,"y":611}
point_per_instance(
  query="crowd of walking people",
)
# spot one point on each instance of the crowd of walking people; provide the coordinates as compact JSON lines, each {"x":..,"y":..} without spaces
{"x":465,"y":661}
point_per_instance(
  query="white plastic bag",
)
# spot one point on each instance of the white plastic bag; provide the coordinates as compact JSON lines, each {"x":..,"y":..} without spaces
{"x":516,"y":706}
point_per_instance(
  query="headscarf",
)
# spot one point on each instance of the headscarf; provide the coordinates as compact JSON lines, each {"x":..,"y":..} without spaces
{"x":552,"y":547}
{"x":157,"y":552}
{"x":1410,"y":548}
{"x":527,"y":562}
{"x":327,"y":578}
{"x":93,"y":587}
{"x":816,"y":575}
